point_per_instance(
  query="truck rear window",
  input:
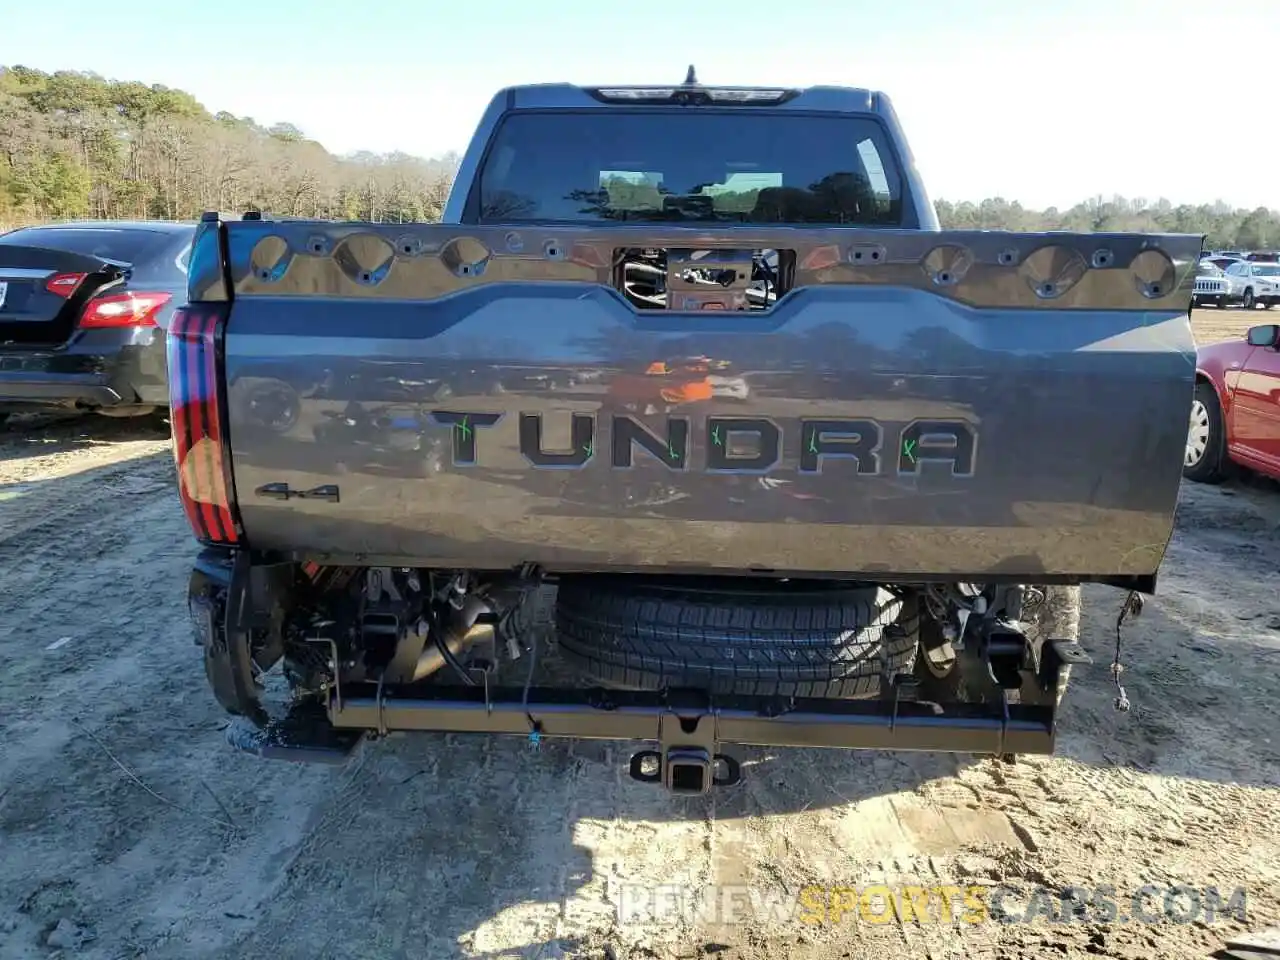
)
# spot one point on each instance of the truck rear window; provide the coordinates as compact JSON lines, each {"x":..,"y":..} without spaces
{"x":690,"y":164}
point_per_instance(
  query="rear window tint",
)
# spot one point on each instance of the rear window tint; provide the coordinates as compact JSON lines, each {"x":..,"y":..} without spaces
{"x":127,"y":246}
{"x":690,"y":164}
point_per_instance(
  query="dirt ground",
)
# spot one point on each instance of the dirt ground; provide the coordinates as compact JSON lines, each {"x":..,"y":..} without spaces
{"x":129,"y":829}
{"x":1212,"y":325}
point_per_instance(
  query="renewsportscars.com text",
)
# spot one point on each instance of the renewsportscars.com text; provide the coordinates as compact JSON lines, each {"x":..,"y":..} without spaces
{"x":938,"y":903}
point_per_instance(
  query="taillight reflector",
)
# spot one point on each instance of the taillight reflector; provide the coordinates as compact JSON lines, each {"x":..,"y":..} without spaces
{"x":204,"y":469}
{"x":64,"y":284}
{"x":133,"y":308}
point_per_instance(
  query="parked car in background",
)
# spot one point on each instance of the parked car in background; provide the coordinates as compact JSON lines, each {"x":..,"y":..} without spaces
{"x":83,"y":312}
{"x":1254,"y":283}
{"x":1221,"y":261}
{"x":1212,"y":285}
{"x":1235,"y":414}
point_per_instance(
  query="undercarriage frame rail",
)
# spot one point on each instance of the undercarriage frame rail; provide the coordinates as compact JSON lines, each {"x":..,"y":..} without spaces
{"x":686,"y":727}
{"x":1017,"y":712}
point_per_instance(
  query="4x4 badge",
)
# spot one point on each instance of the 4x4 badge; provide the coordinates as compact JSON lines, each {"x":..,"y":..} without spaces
{"x":282,"y":491}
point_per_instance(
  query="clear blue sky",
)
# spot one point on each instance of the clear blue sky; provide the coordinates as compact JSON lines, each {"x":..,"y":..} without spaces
{"x":1039,"y":101}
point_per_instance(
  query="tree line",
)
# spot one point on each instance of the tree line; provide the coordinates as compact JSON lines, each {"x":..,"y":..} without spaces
{"x":74,"y":144}
{"x":1223,"y":226}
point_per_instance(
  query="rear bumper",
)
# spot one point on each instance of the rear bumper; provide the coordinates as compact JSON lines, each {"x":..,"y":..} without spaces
{"x":103,"y":369}
{"x":887,"y":724}
{"x":57,"y":391}
{"x":682,"y":736}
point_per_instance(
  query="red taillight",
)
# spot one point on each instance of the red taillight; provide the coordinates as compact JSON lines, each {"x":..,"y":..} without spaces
{"x":134,"y":308}
{"x":204,"y":469}
{"x":64,"y":284}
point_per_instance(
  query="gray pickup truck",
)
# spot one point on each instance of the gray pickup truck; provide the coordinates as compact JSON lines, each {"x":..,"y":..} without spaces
{"x":688,"y":425}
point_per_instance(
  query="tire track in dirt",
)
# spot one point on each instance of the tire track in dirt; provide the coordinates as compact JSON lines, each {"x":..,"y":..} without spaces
{"x":102,"y":557}
{"x":82,"y":522}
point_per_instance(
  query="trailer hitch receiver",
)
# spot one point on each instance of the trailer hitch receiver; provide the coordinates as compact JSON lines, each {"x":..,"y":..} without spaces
{"x":686,"y":761}
{"x":685,"y":770}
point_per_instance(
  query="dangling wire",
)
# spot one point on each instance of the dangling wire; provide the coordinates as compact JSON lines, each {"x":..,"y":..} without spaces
{"x":535,"y":727}
{"x":1132,"y":605}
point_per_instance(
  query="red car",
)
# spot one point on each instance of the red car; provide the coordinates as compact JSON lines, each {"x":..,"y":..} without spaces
{"x":1235,"y":415}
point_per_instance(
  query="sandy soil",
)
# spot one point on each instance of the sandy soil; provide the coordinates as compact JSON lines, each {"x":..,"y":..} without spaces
{"x":128,"y":828}
{"x":1211,"y":325}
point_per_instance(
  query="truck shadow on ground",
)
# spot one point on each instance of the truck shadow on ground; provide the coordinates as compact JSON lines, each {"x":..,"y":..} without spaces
{"x":1201,"y":701}
{"x":45,"y":434}
{"x":508,"y":834}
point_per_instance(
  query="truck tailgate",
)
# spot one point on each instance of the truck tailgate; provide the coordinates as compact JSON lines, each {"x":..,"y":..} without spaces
{"x":917,"y":404}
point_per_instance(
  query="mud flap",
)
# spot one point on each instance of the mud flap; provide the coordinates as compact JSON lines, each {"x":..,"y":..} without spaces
{"x":219,"y":614}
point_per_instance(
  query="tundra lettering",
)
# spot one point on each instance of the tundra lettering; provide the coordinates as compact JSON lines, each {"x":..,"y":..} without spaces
{"x":464,"y":432}
{"x":945,"y":441}
{"x":721,"y":431}
{"x":732,"y":444}
{"x":581,"y":444}
{"x":859,"y":439}
{"x":628,"y":432}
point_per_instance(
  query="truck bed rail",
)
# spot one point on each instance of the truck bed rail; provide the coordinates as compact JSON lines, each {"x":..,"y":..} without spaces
{"x":1034,"y":271}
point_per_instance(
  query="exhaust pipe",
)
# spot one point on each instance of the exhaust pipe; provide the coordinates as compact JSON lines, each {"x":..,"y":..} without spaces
{"x":461,"y":632}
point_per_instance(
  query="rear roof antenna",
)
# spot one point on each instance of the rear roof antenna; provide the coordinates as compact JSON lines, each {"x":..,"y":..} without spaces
{"x":691,"y":78}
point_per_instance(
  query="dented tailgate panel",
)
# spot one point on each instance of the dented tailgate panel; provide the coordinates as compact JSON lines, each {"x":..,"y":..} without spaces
{"x":954,"y":404}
